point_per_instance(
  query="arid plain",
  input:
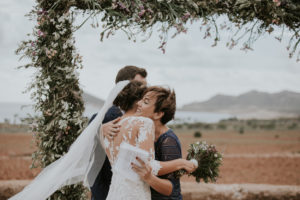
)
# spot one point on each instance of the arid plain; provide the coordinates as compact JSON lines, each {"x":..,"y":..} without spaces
{"x":262,"y":157}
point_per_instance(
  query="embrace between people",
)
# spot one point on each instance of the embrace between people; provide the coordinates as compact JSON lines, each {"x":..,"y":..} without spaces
{"x":133,"y":119}
{"x":138,"y":107}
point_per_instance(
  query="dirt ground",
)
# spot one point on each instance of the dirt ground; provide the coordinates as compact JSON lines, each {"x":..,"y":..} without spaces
{"x":271,"y":157}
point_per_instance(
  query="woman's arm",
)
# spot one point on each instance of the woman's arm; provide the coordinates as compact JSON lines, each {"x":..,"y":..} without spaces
{"x":174,"y":165}
{"x":163,"y":186}
{"x":146,"y":142}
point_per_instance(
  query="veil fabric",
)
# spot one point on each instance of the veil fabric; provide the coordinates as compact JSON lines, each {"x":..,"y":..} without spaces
{"x":81,"y":163}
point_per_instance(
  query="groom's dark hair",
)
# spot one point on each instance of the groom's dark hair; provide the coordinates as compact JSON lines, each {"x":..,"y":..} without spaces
{"x":129,"y":72}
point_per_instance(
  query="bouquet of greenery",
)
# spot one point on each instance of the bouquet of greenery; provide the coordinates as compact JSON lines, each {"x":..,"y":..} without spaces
{"x":206,"y":158}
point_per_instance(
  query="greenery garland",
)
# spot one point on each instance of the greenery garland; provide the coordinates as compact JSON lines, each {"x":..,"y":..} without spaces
{"x":56,"y":91}
{"x":55,"y":87}
{"x":248,"y":20}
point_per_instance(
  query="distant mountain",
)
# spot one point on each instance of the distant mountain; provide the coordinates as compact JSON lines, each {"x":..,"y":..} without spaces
{"x":253,"y":104}
{"x":14,"y":111}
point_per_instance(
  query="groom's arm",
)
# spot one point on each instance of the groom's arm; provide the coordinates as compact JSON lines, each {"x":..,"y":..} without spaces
{"x":92,"y":118}
{"x":109,"y":124}
{"x":112,"y":114}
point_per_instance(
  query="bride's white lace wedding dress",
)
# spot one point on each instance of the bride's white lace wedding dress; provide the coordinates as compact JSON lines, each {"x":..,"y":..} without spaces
{"x":136,"y":136}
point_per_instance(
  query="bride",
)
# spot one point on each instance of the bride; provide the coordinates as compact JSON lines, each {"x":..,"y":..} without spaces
{"x":137,"y":134}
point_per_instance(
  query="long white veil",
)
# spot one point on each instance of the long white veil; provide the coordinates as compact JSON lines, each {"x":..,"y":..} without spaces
{"x":79,"y":164}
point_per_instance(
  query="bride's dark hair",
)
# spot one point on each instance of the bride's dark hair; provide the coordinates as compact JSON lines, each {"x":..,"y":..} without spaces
{"x":131,"y":93}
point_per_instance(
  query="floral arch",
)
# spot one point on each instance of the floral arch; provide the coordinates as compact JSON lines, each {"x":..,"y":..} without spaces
{"x":55,"y":88}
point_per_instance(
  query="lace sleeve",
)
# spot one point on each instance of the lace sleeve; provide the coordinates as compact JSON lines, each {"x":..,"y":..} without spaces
{"x":145,"y":141}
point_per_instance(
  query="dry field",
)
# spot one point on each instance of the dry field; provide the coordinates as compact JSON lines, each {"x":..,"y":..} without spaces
{"x":15,"y":156}
{"x":269,"y":157}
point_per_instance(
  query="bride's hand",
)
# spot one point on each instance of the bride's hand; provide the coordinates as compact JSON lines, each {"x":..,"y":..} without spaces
{"x":144,"y":171}
{"x":111,"y":129}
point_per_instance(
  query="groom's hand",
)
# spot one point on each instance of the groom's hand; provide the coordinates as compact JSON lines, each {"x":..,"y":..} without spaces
{"x":111,"y":129}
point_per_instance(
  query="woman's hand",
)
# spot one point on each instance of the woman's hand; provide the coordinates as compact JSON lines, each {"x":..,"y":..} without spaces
{"x":189,"y":165}
{"x":144,"y":171}
{"x":163,"y":186}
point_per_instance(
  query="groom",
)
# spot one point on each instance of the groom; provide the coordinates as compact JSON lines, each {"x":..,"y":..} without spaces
{"x":101,"y":185}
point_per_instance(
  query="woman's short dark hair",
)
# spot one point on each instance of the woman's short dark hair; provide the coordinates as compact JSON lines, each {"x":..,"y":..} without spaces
{"x":129,"y":72}
{"x":131,"y":93}
{"x":165,"y":102}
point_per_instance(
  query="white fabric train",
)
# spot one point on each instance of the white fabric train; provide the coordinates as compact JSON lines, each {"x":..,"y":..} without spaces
{"x":79,"y":164}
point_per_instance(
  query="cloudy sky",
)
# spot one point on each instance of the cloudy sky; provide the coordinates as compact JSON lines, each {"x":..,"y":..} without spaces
{"x":190,"y":65}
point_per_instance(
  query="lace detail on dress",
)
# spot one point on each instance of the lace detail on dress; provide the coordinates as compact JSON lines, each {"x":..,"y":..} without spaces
{"x":135,"y":131}
{"x":122,"y":188}
{"x":155,"y":165}
{"x":138,"y":132}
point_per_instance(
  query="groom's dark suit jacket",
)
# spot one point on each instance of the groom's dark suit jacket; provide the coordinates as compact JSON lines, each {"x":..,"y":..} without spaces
{"x":102,"y":182}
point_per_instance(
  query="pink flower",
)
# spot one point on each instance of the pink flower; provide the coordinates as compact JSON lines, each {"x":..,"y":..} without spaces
{"x":42,"y":12}
{"x":277,"y":2}
{"x":40,"y":33}
{"x":149,"y":10}
{"x":186,"y":16}
{"x":32,"y":44}
{"x":275,"y":21}
{"x":142,"y":13}
{"x":114,"y":5}
{"x":121,"y":5}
